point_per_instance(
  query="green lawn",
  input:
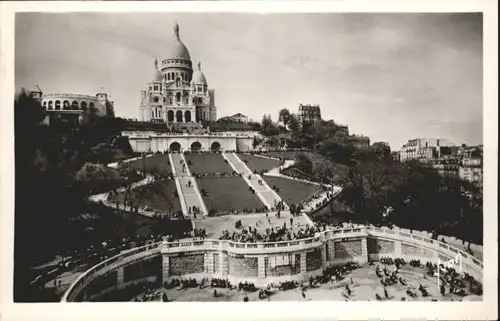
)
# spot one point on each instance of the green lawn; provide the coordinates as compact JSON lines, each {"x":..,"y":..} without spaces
{"x":292,"y":191}
{"x":160,"y":162}
{"x":256,"y":163}
{"x":207,"y":163}
{"x":226,"y":193}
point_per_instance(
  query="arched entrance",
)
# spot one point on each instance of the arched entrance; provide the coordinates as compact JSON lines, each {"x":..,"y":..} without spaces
{"x":196,"y":146}
{"x":175,"y":147}
{"x":170,"y":116}
{"x":179,"y":116}
{"x":215,"y":147}
{"x":187,"y":116}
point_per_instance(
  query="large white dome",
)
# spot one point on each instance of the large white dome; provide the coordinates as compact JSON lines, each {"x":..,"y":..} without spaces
{"x":177,"y":49}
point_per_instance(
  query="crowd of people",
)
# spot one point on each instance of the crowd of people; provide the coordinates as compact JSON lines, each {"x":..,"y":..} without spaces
{"x":200,"y":232}
{"x":451,"y":282}
{"x":273,"y":234}
{"x":245,"y":210}
{"x":220,"y":283}
{"x":223,"y":174}
{"x":194,"y":210}
{"x":132,"y":290}
{"x":181,"y":283}
{"x":152,"y":296}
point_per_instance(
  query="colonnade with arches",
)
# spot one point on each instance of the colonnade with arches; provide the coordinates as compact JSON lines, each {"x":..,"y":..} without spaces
{"x":58,"y":104}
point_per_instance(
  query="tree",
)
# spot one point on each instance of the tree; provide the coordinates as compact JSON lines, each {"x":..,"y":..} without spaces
{"x":304,"y":163}
{"x":294,"y":124}
{"x":284,"y":116}
{"x":268,"y":127}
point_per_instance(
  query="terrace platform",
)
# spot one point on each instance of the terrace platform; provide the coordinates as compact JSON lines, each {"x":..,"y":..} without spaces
{"x":215,"y":225}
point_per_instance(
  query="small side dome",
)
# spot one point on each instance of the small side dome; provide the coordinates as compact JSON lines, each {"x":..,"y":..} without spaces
{"x":157,"y":75}
{"x":198,"y":76}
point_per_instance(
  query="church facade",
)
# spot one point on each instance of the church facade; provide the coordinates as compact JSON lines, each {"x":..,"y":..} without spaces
{"x":178,"y":93}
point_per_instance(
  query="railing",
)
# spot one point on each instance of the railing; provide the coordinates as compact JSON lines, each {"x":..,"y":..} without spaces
{"x":85,"y":276}
{"x":422,"y":240}
{"x":69,"y":95}
{"x":295,"y":245}
{"x":161,"y":135}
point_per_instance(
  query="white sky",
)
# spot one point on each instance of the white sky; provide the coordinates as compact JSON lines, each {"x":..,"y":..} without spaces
{"x":392,"y":77}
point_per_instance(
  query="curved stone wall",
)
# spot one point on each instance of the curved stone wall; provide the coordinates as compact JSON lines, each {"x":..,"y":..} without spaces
{"x":262,"y":263}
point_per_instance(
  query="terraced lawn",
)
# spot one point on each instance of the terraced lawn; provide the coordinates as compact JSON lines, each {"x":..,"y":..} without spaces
{"x":256,"y":163}
{"x":159,"y":162}
{"x":159,"y":196}
{"x":227,"y":193}
{"x":292,"y":191}
{"x":205,"y":163}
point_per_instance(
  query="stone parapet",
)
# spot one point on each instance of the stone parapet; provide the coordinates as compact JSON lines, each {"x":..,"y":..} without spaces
{"x":293,"y":260}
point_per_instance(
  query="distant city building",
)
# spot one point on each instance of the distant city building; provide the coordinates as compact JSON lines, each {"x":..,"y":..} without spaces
{"x":359,"y":141}
{"x":471,"y":167}
{"x":381,"y":146}
{"x":178,"y":93}
{"x":236,"y":118}
{"x":73,"y":108}
{"x":309,"y":113}
{"x":448,"y":166}
{"x":396,"y":155}
{"x":422,"y":148}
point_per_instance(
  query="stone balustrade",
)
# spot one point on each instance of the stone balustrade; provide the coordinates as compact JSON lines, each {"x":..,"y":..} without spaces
{"x":262,"y":263}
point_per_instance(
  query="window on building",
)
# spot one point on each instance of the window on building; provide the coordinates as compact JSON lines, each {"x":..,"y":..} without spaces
{"x":155,"y":88}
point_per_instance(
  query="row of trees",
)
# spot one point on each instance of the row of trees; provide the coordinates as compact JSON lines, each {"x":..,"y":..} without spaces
{"x":57,"y":167}
{"x":379,"y":189}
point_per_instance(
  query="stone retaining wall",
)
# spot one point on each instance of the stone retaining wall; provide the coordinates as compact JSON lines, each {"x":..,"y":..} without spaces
{"x":376,"y":246}
{"x":348,"y":249}
{"x":188,"y":264}
{"x":253,"y":262}
{"x":243,"y":267}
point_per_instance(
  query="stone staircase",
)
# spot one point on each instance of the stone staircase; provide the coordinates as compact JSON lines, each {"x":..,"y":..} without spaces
{"x":268,"y":196}
{"x":189,"y":195}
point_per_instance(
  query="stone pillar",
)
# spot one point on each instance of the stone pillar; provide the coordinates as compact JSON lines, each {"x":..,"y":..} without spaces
{"x":224,"y":264}
{"x":398,"y":251}
{"x":323,"y":256}
{"x":331,"y":250}
{"x":261,"y":267}
{"x":364,"y":250}
{"x":209,"y":262}
{"x":165,"y":267}
{"x":303,"y":265}
{"x":119,"y":276}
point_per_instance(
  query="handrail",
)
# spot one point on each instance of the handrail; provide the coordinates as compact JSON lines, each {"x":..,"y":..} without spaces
{"x":320,"y":237}
{"x":69,"y":95}
{"x":104,"y":263}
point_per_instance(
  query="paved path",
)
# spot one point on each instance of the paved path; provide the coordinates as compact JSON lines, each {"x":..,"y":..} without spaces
{"x":268,"y":196}
{"x":190,"y":194}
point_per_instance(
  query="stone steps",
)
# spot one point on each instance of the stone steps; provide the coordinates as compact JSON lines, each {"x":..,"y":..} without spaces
{"x":190,"y":195}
